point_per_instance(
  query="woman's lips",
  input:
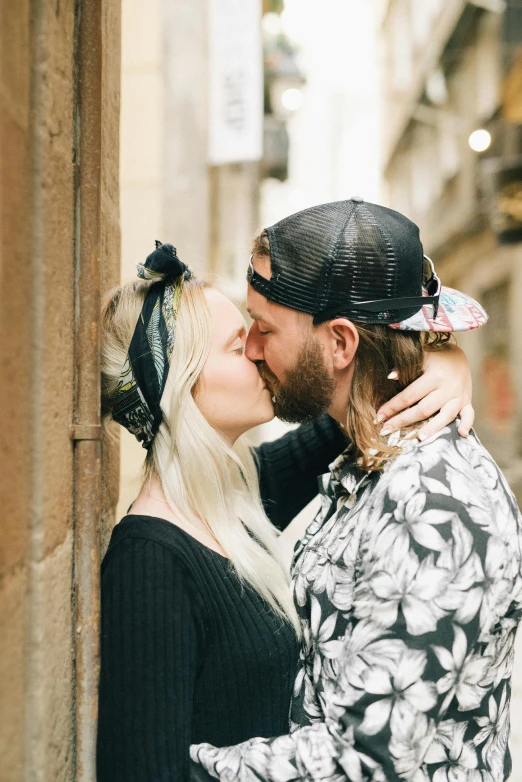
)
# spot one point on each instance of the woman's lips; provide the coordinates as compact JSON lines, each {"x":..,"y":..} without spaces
{"x":267,"y":388}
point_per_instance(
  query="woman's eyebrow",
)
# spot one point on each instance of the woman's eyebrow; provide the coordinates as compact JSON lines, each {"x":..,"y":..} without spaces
{"x":235,"y":334}
{"x":255,"y":316}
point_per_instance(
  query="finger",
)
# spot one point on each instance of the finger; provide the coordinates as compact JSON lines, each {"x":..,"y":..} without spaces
{"x":409,"y":396}
{"x":428,"y":406}
{"x":447,"y":414}
{"x":467,"y":417}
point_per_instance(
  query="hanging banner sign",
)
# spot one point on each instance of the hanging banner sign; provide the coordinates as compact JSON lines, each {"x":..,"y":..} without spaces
{"x":235,"y":82}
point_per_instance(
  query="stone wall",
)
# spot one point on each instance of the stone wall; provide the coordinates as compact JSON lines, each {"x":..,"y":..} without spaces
{"x":39,"y":95}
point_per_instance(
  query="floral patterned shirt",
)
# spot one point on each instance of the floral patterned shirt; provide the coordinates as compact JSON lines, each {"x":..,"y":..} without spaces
{"x":409,"y":590}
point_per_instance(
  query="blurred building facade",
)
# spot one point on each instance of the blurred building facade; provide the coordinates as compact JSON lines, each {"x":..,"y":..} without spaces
{"x":183,"y":179}
{"x":451,"y":68}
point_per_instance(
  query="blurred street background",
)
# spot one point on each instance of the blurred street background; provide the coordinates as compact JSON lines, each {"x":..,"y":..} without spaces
{"x":199,"y":122}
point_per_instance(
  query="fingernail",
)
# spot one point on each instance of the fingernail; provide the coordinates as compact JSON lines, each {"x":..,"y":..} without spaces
{"x":393,"y":375}
{"x":422,"y":436}
{"x":380,"y":418}
{"x":386,"y":430}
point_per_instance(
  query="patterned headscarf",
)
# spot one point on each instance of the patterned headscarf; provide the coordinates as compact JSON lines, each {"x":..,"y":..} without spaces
{"x":144,"y":374}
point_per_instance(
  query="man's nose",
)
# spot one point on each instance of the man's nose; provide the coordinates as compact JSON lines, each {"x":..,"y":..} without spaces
{"x":254,"y":344}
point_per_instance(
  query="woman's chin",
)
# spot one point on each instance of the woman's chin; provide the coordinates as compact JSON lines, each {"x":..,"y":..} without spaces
{"x":266,"y":414}
{"x":262,"y":412}
{"x":270,"y":416}
{"x":269,"y":405}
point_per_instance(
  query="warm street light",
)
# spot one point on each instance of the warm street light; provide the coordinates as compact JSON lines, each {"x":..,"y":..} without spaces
{"x":292,"y":99}
{"x":480,"y":140}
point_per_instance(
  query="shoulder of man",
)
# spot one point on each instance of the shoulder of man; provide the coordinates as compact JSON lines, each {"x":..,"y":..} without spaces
{"x":443,"y":513}
{"x":452,"y":466}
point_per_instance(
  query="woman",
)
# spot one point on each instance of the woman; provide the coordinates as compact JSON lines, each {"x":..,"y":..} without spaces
{"x":196,"y":609}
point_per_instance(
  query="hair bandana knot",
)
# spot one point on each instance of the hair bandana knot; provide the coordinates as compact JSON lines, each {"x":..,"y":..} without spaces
{"x":144,"y":374}
{"x":163,"y":265}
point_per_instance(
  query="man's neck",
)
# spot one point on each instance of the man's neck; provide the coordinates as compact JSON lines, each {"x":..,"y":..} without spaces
{"x":338,"y":409}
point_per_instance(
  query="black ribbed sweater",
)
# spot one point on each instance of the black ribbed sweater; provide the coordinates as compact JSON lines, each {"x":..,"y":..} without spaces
{"x":187,"y":653}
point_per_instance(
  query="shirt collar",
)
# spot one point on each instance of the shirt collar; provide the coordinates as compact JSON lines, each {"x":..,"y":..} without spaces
{"x":347,"y":476}
{"x":343,"y":486}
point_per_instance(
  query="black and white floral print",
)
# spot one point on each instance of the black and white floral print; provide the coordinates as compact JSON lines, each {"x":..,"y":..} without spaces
{"x":409,"y":590}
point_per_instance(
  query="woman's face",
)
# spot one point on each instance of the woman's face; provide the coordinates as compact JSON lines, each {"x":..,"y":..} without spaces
{"x":231,"y":394}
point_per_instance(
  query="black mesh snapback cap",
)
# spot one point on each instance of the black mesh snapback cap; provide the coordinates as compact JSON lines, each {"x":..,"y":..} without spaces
{"x":364,"y":262}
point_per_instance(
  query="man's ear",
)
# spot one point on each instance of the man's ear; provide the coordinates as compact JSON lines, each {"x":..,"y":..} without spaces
{"x":344,"y":341}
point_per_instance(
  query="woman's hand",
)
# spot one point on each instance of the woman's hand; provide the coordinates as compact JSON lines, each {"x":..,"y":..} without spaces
{"x":444,"y":389}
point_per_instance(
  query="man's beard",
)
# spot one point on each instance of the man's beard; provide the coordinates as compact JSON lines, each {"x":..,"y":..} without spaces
{"x":307,"y":390}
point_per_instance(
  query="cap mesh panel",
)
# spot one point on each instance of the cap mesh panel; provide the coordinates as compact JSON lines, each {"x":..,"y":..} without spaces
{"x":341,"y":253}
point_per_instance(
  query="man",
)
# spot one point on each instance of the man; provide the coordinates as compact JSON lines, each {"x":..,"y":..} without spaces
{"x":408,"y":582}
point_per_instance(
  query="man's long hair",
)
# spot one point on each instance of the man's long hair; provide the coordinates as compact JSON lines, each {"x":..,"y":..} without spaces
{"x":381,"y":350}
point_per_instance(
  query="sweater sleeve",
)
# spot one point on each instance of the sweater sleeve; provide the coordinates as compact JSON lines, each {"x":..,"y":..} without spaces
{"x":288,"y":467}
{"x":151,"y":645}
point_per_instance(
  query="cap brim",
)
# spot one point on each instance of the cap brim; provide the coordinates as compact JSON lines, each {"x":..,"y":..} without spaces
{"x":457,"y":312}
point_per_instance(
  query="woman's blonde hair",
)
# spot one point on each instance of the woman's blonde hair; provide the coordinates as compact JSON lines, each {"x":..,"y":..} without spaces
{"x":381,"y":350}
{"x":206,"y":482}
